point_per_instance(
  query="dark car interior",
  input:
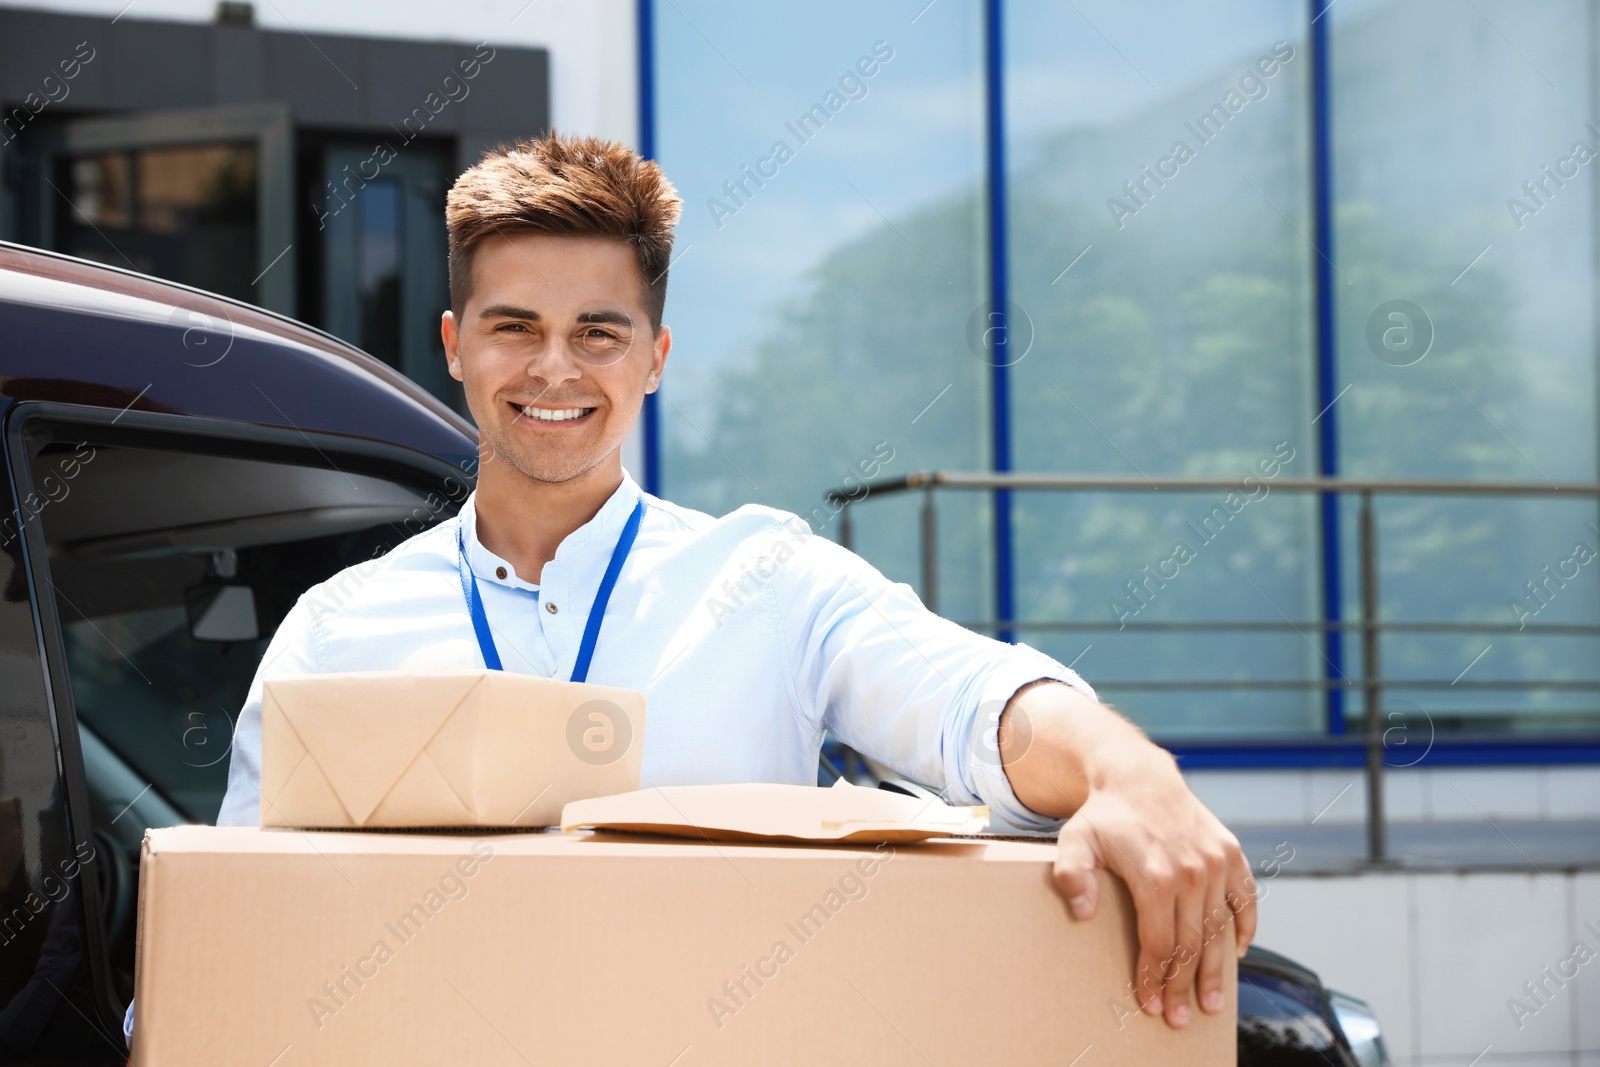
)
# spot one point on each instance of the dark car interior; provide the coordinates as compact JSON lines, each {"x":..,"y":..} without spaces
{"x":171,"y":568}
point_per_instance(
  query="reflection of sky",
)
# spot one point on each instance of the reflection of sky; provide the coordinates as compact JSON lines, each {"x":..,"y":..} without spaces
{"x":731,"y":77}
{"x":1442,"y":112}
{"x":1095,"y":62}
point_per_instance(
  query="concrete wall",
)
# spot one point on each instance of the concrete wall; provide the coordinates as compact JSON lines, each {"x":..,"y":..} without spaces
{"x":1444,"y":958}
{"x":591,"y":42}
{"x":364,"y":85}
{"x":1442,"y":955}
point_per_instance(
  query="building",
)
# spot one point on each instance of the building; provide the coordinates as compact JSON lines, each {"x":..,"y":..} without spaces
{"x":250,"y":162}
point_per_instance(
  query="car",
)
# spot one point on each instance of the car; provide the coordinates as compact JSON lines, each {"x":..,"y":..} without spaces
{"x":180,"y":468}
{"x":1288,"y":1018}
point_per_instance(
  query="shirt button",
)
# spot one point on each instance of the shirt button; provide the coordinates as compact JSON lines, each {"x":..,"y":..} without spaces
{"x":550,"y":607}
{"x":499,"y":572}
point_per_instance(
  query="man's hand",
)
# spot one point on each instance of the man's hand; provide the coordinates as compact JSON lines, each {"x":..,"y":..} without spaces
{"x":1128,"y":810}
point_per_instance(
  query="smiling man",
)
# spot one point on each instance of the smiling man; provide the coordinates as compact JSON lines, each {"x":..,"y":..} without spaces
{"x":559,"y":565}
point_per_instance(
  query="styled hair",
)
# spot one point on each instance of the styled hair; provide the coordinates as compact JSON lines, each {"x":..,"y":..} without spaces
{"x":565,"y":187}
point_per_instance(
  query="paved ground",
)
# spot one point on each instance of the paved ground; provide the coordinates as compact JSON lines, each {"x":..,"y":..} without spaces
{"x":1546,"y":845}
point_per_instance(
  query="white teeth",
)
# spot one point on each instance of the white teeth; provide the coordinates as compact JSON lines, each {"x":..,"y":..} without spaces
{"x":562,"y":415}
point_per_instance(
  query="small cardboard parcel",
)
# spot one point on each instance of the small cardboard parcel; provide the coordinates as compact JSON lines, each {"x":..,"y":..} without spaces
{"x":840,"y":939}
{"x":386,"y":749}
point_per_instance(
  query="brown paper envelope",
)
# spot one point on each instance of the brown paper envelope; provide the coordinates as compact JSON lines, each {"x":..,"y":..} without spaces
{"x":767,"y":811}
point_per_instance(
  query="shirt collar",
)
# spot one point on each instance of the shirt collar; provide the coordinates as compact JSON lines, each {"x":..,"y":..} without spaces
{"x":602,"y":530}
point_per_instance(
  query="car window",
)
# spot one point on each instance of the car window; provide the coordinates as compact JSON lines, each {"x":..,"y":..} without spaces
{"x":160,"y":700}
{"x":171,"y":570}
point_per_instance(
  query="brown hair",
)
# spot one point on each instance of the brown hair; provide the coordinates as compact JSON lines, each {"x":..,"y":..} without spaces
{"x":570,"y":187}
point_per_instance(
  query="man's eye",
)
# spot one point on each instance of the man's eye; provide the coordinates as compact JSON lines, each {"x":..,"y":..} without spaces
{"x":598,"y":334}
{"x":519,"y":327}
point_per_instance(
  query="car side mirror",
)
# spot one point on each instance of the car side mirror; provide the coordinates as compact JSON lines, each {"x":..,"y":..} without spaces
{"x":222,"y":611}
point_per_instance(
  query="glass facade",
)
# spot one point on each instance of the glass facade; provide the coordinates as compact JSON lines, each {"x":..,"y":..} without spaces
{"x":1164,"y":262}
{"x":1158,"y":248}
{"x":1478,"y":210}
{"x":829,"y":257}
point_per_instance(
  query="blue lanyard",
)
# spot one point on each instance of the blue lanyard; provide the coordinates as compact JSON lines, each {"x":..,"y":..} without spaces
{"x":591,"y":629}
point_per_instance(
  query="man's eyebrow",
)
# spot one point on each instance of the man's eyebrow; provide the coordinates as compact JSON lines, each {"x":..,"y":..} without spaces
{"x":508,"y":311}
{"x":607,"y":317}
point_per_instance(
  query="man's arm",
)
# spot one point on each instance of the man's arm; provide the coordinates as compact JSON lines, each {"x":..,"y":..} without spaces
{"x":925,"y":696}
{"x":1129,"y":810}
{"x":896,"y":682}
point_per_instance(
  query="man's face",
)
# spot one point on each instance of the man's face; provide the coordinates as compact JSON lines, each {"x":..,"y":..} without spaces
{"x":555,"y":351}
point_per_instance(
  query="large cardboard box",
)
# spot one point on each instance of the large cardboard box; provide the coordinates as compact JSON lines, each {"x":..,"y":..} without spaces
{"x":280,"y":948}
{"x":387,"y":749}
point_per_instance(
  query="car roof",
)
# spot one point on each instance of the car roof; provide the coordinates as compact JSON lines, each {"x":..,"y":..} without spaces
{"x":101,"y":336}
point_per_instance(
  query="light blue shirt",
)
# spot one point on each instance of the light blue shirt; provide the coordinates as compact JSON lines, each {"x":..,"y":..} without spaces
{"x":748,"y":635}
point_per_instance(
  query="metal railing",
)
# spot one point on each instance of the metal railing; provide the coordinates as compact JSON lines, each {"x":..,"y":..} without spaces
{"x":1371,"y":683}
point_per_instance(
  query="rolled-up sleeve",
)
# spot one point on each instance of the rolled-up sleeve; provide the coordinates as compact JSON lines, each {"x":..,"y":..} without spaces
{"x":900,"y":684}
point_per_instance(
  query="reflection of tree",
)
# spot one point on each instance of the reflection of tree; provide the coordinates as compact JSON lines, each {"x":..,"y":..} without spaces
{"x":849,"y":364}
{"x":875,"y":337}
{"x":1185,"y":345}
{"x":1459,"y":559}
{"x":1269,"y":1043}
{"x":1169,"y":352}
{"x":1407,"y":421}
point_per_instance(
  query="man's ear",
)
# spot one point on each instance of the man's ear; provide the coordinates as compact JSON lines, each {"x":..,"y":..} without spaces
{"x":659,"y":349}
{"x":452,"y":343}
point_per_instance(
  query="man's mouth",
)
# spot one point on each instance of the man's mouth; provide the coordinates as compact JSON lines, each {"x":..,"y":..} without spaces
{"x":538,"y":414}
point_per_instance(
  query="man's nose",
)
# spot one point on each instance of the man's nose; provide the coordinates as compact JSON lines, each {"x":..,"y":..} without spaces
{"x":555,"y":363}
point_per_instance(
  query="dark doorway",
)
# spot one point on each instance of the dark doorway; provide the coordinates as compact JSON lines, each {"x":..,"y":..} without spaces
{"x":383,"y":256}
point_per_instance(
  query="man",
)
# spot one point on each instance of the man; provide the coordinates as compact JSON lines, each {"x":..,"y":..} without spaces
{"x":558,"y":272}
